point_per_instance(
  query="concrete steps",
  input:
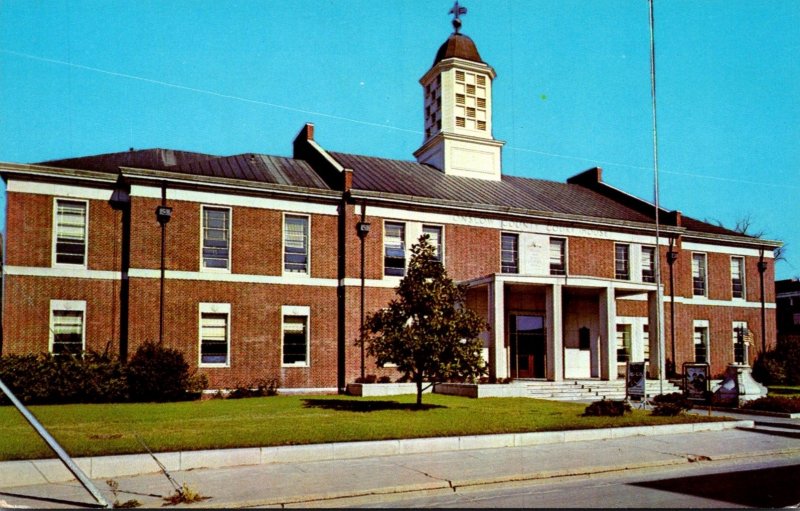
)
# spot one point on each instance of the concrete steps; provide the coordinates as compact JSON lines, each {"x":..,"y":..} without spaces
{"x":586,"y":390}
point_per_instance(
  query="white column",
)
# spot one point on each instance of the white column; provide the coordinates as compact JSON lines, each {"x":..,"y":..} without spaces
{"x":608,"y":333}
{"x":555,"y":333}
{"x":657,"y":358}
{"x":497,"y":350}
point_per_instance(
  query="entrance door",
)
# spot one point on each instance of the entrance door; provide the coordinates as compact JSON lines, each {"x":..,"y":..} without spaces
{"x":527,"y":339}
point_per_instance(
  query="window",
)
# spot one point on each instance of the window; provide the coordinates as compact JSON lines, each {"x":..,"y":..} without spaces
{"x":741,"y":338}
{"x":622,"y":261}
{"x":67,"y":327}
{"x":295,"y":244}
{"x":623,"y":343}
{"x":699,"y":274}
{"x":216,"y":238}
{"x":700,"y":341}
{"x":646,"y":342}
{"x":394,"y":249}
{"x":434,"y":233}
{"x":558,"y":263}
{"x":214,"y":334}
{"x":70,"y":232}
{"x":509,"y":253}
{"x":737,"y":277}
{"x":648,"y":264}
{"x":295,"y":335}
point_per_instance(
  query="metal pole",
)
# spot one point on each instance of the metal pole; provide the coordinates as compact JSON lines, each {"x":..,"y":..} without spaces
{"x":51,"y":442}
{"x":363,"y":285}
{"x":163,"y":258}
{"x":762,"y":267}
{"x":659,"y":292}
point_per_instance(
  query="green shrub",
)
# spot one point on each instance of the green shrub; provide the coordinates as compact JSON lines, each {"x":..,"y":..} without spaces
{"x":789,"y":352}
{"x":670,"y":405}
{"x":769,"y":368}
{"x":774,"y":404}
{"x":158,"y":373}
{"x":48,"y":379}
{"x":259,"y":388}
{"x":607,"y":408}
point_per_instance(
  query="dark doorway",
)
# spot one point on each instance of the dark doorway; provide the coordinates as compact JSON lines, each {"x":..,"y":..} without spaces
{"x":527,"y":340}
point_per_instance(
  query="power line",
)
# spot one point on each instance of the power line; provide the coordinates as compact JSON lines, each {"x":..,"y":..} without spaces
{"x":370,"y":123}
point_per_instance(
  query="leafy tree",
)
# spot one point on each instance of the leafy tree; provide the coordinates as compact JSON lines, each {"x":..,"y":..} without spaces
{"x":426,"y":331}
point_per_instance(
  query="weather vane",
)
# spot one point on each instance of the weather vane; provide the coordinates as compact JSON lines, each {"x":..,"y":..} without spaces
{"x":457,"y":11}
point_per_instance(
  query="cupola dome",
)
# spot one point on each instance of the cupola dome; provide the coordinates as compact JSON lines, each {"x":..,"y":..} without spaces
{"x":458,"y":46}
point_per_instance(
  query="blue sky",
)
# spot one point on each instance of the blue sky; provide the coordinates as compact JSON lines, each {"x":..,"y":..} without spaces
{"x":572,"y":92}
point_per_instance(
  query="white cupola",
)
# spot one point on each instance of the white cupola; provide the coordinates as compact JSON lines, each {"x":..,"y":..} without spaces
{"x":457,"y":92}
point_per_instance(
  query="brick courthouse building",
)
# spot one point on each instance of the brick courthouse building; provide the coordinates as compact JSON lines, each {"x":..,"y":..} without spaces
{"x":252,"y":264}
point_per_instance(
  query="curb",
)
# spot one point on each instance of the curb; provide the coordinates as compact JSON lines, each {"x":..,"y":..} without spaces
{"x":45,"y":471}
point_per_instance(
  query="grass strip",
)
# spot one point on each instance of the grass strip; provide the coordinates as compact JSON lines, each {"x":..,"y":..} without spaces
{"x":95,"y":430}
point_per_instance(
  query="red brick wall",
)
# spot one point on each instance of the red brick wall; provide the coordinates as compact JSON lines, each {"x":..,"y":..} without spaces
{"x":29,"y":232}
{"x":590,"y":257}
{"x":26,"y":316}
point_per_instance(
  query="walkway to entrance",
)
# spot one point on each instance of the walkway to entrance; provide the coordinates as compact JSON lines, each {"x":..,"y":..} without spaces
{"x":567,"y":390}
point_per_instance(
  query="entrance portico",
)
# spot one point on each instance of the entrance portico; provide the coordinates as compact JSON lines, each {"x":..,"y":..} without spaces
{"x":557,"y":328}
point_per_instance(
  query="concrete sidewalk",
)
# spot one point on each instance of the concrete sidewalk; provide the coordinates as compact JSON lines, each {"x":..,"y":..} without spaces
{"x":308,"y":483}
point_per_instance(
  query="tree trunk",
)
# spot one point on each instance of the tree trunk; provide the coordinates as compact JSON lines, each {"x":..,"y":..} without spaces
{"x":418,"y":380}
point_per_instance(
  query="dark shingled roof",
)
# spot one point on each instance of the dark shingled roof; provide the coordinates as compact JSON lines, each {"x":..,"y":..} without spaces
{"x":416,"y":179}
{"x":250,"y":167}
{"x":155,"y":159}
{"x":458,"y":46}
{"x":399,"y":177}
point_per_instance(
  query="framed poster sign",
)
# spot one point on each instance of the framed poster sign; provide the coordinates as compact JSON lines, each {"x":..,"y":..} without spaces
{"x":695,"y":381}
{"x":635,"y":380}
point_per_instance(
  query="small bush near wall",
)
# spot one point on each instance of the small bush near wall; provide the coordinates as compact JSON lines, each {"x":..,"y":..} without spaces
{"x":158,"y":373}
{"x":607,"y":408}
{"x":669,"y":405}
{"x":774,"y":404}
{"x":259,"y":388}
{"x":154,"y":373}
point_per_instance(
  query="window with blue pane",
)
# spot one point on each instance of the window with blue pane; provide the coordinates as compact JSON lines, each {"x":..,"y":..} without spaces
{"x":216,"y":238}
{"x":394,"y":249}
{"x":295,"y":244}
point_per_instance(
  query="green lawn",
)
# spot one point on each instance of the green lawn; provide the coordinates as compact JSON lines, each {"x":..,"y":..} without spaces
{"x":85,"y":430}
{"x":784,"y":390}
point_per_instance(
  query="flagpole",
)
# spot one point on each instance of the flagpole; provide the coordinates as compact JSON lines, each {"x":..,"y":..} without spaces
{"x":659,"y":292}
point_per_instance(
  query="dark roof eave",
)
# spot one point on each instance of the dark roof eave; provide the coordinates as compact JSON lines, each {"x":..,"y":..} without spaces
{"x":506,"y":210}
{"x":731,"y":239}
{"x":43,"y":171}
{"x":155,"y":176}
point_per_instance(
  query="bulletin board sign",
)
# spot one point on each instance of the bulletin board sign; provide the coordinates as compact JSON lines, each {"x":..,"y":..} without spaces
{"x":635,"y":380}
{"x":696,"y":381}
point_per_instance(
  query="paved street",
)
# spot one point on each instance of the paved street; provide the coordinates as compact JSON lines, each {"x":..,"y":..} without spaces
{"x":763,"y":483}
{"x":382,"y":479}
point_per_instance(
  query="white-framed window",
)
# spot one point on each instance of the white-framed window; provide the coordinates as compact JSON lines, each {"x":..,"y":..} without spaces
{"x":699,"y":278}
{"x":741,"y":340}
{"x":622,"y":261}
{"x":296,"y":229}
{"x":623,"y":343}
{"x":648,"y":264}
{"x":216,"y":239}
{"x":215,"y":334}
{"x":67,"y":327}
{"x":436,"y":239}
{"x":70,"y":221}
{"x":509,"y":252}
{"x":701,"y":348}
{"x":558,"y":256}
{"x":394,"y":249}
{"x":646,"y":341}
{"x":737,"y":277}
{"x":295,"y":345}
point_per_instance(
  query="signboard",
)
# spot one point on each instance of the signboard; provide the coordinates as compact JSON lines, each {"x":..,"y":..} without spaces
{"x":695,"y":381}
{"x":635,"y":380}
